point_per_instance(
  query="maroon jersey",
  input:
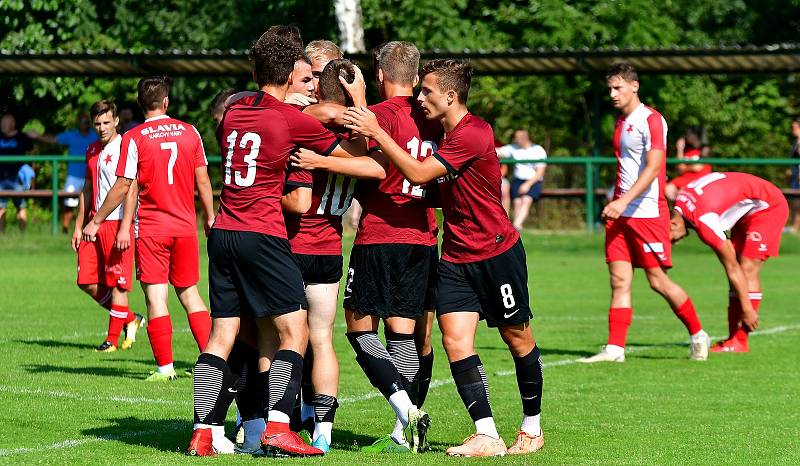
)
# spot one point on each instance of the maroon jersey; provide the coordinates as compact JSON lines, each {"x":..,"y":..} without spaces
{"x":161,"y":154}
{"x":476,"y":226}
{"x":395,"y":211}
{"x":257,"y":135}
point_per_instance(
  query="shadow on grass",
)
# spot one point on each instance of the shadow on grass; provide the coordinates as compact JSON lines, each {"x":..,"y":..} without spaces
{"x":169,"y":435}
{"x":351,"y":441}
{"x":544,"y":351}
{"x":104,"y":371}
{"x":56,"y":344}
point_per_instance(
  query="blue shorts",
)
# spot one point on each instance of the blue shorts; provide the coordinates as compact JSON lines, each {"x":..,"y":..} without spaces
{"x":12,"y":185}
{"x":73,"y":185}
{"x":535,"y":192}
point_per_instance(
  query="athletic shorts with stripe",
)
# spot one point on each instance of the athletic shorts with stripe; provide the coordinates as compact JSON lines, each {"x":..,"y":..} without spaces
{"x":644,"y":242}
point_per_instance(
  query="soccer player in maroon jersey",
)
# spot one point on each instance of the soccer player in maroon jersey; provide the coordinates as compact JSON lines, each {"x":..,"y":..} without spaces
{"x":105,"y":266}
{"x":637,"y":219}
{"x":251,"y":269}
{"x":482,"y":272}
{"x":166,"y":158}
{"x":755,"y":211}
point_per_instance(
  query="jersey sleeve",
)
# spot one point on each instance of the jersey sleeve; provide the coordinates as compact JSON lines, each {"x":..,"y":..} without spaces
{"x":710,"y":230}
{"x":458,"y":150}
{"x":385,"y":125}
{"x":656,"y":136}
{"x":128,"y":158}
{"x":309,"y":133}
{"x":200,"y":159}
{"x":299,"y":178}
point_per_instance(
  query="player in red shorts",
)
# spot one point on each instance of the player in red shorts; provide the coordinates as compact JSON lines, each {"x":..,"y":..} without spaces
{"x":755,"y":211}
{"x":482,"y":272}
{"x":637,"y":220}
{"x":166,"y":158}
{"x":104,"y":267}
{"x":690,"y":147}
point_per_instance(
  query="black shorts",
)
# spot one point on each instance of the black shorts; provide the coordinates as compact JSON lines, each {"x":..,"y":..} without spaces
{"x":535,"y":192}
{"x":252,"y":274}
{"x":388,"y":280}
{"x":319,"y":268}
{"x":433,"y":278}
{"x":497,"y":288}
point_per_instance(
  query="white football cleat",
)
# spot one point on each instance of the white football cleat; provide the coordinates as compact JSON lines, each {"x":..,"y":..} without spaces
{"x":699,"y":345}
{"x":605,"y":355}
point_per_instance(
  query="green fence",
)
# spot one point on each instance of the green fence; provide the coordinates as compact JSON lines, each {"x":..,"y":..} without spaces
{"x":590,"y":165}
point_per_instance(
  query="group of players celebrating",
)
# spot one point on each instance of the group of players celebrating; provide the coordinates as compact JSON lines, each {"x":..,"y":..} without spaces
{"x":295,"y":153}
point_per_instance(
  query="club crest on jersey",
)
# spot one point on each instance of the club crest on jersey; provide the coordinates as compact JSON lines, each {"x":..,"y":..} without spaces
{"x":160,"y":131}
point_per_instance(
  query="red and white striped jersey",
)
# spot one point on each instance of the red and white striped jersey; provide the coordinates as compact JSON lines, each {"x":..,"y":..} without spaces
{"x":101,"y":167}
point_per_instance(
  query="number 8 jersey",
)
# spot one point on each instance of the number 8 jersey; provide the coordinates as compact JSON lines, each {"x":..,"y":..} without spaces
{"x":162,"y":154}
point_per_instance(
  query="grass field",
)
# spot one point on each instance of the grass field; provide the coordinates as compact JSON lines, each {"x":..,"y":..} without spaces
{"x":61,"y":403}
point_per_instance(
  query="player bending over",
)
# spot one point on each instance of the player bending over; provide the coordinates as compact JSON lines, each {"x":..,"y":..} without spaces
{"x":105,"y":266}
{"x":165,"y":157}
{"x":755,"y":211}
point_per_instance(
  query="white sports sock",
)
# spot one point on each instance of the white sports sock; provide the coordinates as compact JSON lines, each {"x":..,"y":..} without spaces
{"x":221,"y":443}
{"x":166,"y":369}
{"x":306,"y":411}
{"x":253,"y":429}
{"x":401,"y":403}
{"x":278,"y":416}
{"x":323,"y":428}
{"x":697,"y":335}
{"x":615,"y":350}
{"x":486,"y":426}
{"x":531,"y":426}
{"x":397,"y":434}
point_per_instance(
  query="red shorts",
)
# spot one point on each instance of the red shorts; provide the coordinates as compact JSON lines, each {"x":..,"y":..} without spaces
{"x":163,"y":259}
{"x":644,"y":242}
{"x":758,"y":236}
{"x":101,"y":263}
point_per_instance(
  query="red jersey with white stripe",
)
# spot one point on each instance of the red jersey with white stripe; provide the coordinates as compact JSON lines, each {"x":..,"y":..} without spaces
{"x":395,"y":211}
{"x":101,"y":168}
{"x":476,"y":226}
{"x":162,"y":154}
{"x":717,"y":201}
{"x":257,"y":135}
{"x":634,"y":136}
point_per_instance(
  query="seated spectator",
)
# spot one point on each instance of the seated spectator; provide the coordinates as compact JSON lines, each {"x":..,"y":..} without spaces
{"x":526,"y":184}
{"x":794,"y":182}
{"x":13,"y":142}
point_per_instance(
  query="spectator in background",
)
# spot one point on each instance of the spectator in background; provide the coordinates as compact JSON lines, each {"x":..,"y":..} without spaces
{"x":689,"y":147}
{"x":526,"y":184}
{"x":12,"y":142}
{"x":77,"y":141}
{"x":127,"y":119}
{"x":794,"y":182}
{"x":505,"y":185}
{"x":217,"y":107}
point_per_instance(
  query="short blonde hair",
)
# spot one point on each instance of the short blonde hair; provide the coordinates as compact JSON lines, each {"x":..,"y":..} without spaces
{"x":323,"y":50}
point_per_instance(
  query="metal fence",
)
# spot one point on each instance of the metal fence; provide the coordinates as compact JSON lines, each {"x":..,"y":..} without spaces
{"x":590,"y":165}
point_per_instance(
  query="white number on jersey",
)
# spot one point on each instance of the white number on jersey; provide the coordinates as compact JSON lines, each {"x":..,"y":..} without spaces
{"x":701,"y":183}
{"x":420,"y":151}
{"x":250,"y":159}
{"x":335,"y":194}
{"x":172,"y":147}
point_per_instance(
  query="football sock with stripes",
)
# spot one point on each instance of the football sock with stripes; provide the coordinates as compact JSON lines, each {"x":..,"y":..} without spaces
{"x":117,"y":317}
{"x":473,"y":387}
{"x":243,"y":361}
{"x":688,"y":315}
{"x":619,"y":319}
{"x":200,"y":324}
{"x":529,"y":381}
{"x":159,"y":331}
{"x":755,"y":301}
{"x":103,"y":296}
{"x":403,"y":351}
{"x":285,"y":375}
{"x":425,"y":374}
{"x":213,"y":389}
{"x":324,"y":414}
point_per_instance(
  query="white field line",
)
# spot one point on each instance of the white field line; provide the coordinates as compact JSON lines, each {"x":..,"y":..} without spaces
{"x":76,"y":336}
{"x":81,"y":397}
{"x":344,"y":400}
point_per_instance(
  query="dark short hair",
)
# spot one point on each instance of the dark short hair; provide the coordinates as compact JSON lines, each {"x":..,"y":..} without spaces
{"x":399,"y":62}
{"x":622,"y":69}
{"x":273,"y":57}
{"x":451,"y":74}
{"x":102,"y":106}
{"x":152,"y":91}
{"x":218,"y":104}
{"x":330,"y":88}
{"x":291,"y":33}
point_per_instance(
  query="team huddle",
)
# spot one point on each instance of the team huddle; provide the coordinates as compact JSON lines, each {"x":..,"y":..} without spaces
{"x":296,"y":152}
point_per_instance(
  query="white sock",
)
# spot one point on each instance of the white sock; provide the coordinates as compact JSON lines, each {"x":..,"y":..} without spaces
{"x":698,"y":335}
{"x":323,"y":428}
{"x":202,"y":426}
{"x":306,"y":411}
{"x":221,"y":443}
{"x":486,"y":426}
{"x":615,"y":350}
{"x":166,"y":368}
{"x":401,"y":403}
{"x":531,"y":426}
{"x":277,"y":416}
{"x":253,"y":429}
{"x":397,"y":434}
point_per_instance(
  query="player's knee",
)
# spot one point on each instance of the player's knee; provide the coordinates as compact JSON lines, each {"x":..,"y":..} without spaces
{"x":456,"y":343}
{"x":660,"y":285}
{"x":90,"y":289}
{"x":320,"y":339}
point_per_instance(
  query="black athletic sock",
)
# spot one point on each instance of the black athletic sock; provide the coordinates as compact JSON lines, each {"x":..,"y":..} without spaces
{"x":243,"y":361}
{"x":263,"y":379}
{"x":473,"y":386}
{"x":213,"y":389}
{"x":285,"y":375}
{"x":403,"y":350}
{"x":307,"y":388}
{"x":376,"y":363}
{"x":425,"y":374}
{"x":325,"y":408}
{"x":529,"y":380}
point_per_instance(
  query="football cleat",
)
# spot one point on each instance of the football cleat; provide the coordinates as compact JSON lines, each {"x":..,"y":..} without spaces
{"x":278,"y":440}
{"x":526,"y":444}
{"x":201,"y":443}
{"x":156,"y":376}
{"x":603,"y":356}
{"x":418,"y":424}
{"x":387,"y":444}
{"x":479,"y":445}
{"x":130,"y":331}
{"x":733,"y":345}
{"x":105,"y":347}
{"x":699,"y":346}
{"x":321,"y":443}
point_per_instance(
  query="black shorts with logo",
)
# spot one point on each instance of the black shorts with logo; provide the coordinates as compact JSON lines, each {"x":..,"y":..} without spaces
{"x":497,"y":288}
{"x":320,"y":268}
{"x":388,"y":280}
{"x":252,"y":274}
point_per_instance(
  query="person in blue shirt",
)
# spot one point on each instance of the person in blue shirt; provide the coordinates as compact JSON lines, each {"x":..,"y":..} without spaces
{"x":13,"y":143}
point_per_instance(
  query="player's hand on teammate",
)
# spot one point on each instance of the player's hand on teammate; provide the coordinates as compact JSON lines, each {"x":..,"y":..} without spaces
{"x":123,"y":239}
{"x":90,"y":231}
{"x":296,"y":98}
{"x":76,"y":238}
{"x":357,"y":89}
{"x":362,"y":121}
{"x":306,"y":159}
{"x":613,"y":210}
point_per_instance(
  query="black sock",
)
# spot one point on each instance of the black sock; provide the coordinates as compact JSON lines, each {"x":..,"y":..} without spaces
{"x":529,"y":380}
{"x":376,"y":363}
{"x":263,"y":379}
{"x":243,"y":361}
{"x":325,"y":408}
{"x":213,"y":389}
{"x":403,"y":350}
{"x":425,"y":374}
{"x":285,"y":375}
{"x":307,"y":388}
{"x":473,"y":386}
